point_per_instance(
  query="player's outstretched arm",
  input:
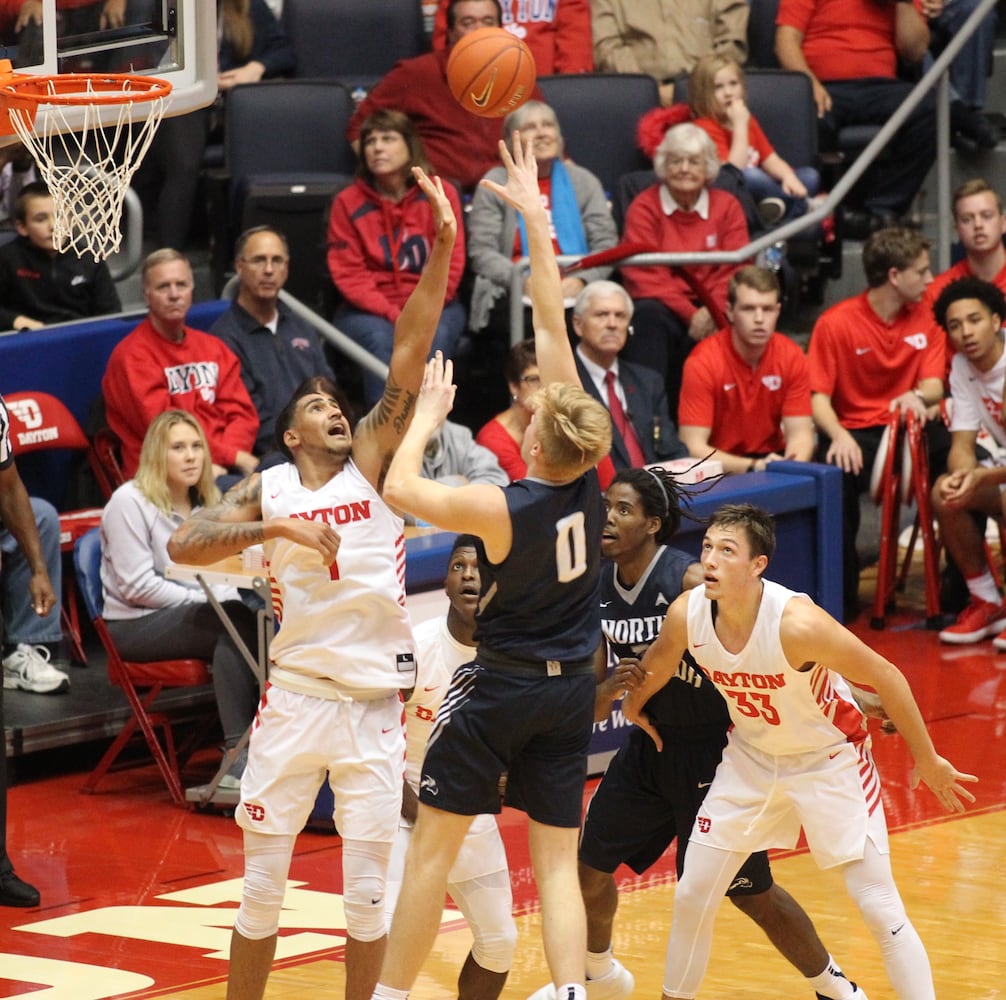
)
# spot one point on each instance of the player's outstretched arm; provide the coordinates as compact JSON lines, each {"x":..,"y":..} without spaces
{"x":810,"y":635}
{"x":478,"y":508}
{"x":226,"y":528}
{"x":521,"y":191}
{"x":660,"y":662}
{"x":381,"y":430}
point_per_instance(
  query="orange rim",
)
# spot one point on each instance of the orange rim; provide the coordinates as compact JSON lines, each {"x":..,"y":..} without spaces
{"x":78,"y":89}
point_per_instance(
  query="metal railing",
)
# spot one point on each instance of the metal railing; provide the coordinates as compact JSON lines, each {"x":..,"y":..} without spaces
{"x":936,"y":76}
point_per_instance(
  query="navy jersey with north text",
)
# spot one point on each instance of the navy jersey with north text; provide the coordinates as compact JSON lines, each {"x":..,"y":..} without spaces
{"x":689,"y":706}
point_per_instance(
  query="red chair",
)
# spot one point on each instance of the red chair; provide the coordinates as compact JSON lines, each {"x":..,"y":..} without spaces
{"x":900,"y":476}
{"x":140,"y":682}
{"x":40,"y":422}
{"x":106,"y":461}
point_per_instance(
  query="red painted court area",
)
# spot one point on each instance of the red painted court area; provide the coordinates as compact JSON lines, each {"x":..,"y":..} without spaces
{"x":138,"y":896}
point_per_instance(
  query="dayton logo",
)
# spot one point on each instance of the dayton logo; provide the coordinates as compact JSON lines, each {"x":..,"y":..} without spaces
{"x":917,"y":340}
{"x":201,"y":376}
{"x":344,"y":513}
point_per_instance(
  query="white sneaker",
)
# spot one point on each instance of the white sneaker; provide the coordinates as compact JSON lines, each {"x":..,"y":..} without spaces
{"x":617,"y":984}
{"x":28,"y":669}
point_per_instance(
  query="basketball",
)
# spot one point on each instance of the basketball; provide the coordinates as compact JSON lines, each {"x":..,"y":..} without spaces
{"x":490,"y":72}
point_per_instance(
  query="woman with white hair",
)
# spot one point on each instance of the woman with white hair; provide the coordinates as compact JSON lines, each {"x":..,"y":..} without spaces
{"x":676,"y":307}
{"x":578,"y":210}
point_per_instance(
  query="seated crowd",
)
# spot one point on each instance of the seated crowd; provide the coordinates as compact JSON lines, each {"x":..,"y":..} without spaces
{"x":687,"y":360}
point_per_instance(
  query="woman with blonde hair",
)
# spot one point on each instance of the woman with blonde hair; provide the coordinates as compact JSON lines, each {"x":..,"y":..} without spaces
{"x":151,"y":617}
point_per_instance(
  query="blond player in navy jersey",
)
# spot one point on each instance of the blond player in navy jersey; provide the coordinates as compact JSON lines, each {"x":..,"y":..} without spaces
{"x":798,"y":753}
{"x":525,"y":705}
{"x":344,"y":651}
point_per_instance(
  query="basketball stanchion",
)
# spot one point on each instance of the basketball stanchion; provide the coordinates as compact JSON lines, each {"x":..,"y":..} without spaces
{"x":86,"y":160}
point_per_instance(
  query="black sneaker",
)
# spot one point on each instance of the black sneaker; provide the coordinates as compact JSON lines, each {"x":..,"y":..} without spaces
{"x":16,"y":892}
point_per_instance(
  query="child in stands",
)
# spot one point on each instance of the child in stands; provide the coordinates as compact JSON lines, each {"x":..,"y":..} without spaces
{"x":718,"y":100}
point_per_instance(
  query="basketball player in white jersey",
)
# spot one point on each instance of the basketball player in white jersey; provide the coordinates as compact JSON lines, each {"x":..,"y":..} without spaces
{"x":344,"y":650}
{"x":479,"y":879}
{"x":798,"y":753}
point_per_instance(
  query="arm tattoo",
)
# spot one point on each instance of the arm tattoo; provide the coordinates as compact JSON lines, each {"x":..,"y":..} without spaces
{"x":210,"y":533}
{"x":394,"y":407}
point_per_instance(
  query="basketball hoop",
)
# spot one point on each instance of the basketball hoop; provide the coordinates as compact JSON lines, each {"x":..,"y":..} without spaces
{"x":86,"y":158}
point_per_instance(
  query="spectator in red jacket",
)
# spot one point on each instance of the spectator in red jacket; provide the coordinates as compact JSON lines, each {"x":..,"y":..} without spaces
{"x":461,"y":146}
{"x":677,"y":307}
{"x":558,"y":33}
{"x":380,"y":233}
{"x":164,"y":365}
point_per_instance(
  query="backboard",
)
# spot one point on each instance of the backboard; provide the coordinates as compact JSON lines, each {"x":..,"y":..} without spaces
{"x":175,"y":40}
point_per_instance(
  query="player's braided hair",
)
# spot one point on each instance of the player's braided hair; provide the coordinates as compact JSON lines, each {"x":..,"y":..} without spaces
{"x":661,"y":495}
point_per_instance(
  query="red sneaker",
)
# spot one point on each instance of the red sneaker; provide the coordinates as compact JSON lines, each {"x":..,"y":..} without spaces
{"x":977,"y":621}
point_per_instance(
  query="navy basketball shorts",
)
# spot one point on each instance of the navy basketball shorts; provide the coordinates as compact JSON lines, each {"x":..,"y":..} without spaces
{"x":646,"y":799}
{"x":534,"y":727}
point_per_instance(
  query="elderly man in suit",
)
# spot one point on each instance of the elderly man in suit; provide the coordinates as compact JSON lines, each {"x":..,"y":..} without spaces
{"x":642,"y":430}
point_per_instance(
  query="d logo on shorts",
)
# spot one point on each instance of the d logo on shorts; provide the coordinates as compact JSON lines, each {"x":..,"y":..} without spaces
{"x":704,"y":823}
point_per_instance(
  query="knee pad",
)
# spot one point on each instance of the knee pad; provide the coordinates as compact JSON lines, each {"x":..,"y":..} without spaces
{"x":487,"y":904}
{"x":267,"y":864}
{"x":364,"y":873}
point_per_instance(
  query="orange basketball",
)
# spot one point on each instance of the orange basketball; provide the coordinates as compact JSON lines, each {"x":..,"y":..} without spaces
{"x":490,"y":72}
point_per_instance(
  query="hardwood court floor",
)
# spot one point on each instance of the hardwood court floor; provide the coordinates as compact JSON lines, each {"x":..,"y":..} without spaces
{"x":138,"y":897}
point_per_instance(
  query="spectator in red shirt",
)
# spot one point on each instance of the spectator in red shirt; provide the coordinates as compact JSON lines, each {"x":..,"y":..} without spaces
{"x":746,"y":389}
{"x":557,"y":33}
{"x":869,"y":355}
{"x":981,"y":225}
{"x":680,"y":213}
{"x":381,"y":232}
{"x":461,"y":146}
{"x":850,"y":50}
{"x":165,"y":365}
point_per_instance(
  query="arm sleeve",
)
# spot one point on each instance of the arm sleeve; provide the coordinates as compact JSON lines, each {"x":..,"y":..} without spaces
{"x":348,"y":266}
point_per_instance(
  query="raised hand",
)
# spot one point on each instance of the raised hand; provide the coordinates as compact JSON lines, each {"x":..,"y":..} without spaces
{"x":436,"y":395}
{"x":521,"y":190}
{"x":443,"y":213}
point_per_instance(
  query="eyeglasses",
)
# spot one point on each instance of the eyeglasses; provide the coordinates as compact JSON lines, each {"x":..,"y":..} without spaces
{"x":262,"y":261}
{"x":530,"y":379}
{"x":467,"y":23}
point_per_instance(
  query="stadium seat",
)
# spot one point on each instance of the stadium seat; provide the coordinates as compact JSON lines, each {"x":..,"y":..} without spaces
{"x":354,"y":41}
{"x":278,"y":132}
{"x":140,"y":682}
{"x":40,"y":422}
{"x":598,"y":113}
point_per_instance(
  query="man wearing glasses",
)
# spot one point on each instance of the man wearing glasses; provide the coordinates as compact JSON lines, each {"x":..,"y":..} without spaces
{"x":277,"y":349}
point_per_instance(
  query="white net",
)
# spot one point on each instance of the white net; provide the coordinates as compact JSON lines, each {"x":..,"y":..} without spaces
{"x":87,"y":163}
